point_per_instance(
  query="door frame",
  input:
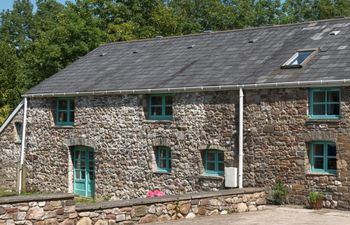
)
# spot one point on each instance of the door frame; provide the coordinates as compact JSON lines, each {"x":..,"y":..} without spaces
{"x":89,"y":183}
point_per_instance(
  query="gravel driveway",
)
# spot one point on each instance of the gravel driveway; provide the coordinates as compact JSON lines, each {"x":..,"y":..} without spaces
{"x":286,"y":215}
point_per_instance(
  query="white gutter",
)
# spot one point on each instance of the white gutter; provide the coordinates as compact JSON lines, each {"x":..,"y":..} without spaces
{"x":240,"y":140}
{"x":12,"y":115}
{"x":20,"y":179}
{"x":294,"y":84}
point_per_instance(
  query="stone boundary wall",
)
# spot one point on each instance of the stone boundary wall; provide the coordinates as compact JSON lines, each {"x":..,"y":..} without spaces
{"x":38,"y":210}
{"x":129,"y":212}
{"x":61,"y":209}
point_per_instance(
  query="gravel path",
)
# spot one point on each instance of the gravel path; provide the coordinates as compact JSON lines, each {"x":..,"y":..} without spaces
{"x":287,"y":215}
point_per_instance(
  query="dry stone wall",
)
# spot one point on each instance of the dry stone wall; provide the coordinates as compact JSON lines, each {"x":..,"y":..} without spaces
{"x":60,"y":209}
{"x":172,"y":207}
{"x":10,"y":155}
{"x":38,"y":210}
{"x":124,"y":142}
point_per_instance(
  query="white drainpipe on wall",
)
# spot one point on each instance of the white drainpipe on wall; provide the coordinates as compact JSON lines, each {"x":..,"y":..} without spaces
{"x":20,"y":179}
{"x":240,"y":140}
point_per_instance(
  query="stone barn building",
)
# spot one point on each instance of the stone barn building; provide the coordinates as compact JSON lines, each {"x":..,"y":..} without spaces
{"x":178,"y":113}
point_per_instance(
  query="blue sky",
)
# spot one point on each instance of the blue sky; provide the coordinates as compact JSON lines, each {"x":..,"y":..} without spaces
{"x":7,"y":4}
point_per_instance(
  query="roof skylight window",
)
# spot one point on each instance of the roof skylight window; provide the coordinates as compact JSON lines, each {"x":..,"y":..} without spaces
{"x":299,"y":59}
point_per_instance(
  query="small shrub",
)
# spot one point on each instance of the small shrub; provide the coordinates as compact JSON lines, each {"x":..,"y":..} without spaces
{"x":280,"y":193}
{"x":315,"y":196}
{"x":316,"y":199}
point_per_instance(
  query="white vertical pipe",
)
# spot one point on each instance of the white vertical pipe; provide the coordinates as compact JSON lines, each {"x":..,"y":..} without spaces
{"x":22,"y":146}
{"x":240,"y":140}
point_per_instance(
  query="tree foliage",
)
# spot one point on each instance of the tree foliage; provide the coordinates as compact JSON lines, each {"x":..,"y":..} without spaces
{"x":36,"y":43}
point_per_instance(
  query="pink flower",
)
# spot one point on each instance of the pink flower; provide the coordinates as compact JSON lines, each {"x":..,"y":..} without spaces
{"x":155,"y":193}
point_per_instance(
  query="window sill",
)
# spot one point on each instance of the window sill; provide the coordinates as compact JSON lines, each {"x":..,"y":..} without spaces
{"x":298,"y":66}
{"x":320,"y":174}
{"x":63,"y":126}
{"x":162,"y":173}
{"x":211,"y":177}
{"x":314,"y":120}
{"x":158,"y":121}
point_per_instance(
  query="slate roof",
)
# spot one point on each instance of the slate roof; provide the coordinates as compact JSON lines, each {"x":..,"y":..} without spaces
{"x":247,"y":56}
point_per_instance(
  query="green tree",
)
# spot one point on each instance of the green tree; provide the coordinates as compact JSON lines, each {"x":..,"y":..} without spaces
{"x":244,"y":11}
{"x":17,"y":25}
{"x":268,"y":12}
{"x":10,"y":78}
{"x":296,"y":11}
{"x":342,"y":7}
{"x":62,"y":35}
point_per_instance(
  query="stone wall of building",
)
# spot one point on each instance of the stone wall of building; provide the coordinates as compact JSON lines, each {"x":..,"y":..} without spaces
{"x":10,"y":154}
{"x":124,"y":141}
{"x":277,"y":135}
{"x":162,"y":209}
{"x":45,"y":209}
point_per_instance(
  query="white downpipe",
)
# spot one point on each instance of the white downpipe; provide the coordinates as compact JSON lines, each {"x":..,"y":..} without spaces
{"x":22,"y":147}
{"x":240,"y":140}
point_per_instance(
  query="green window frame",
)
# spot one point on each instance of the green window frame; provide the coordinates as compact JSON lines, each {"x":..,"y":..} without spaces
{"x":65,"y":111}
{"x":323,"y":157}
{"x":213,"y":162}
{"x":160,"y":107}
{"x":324,"y":103}
{"x":163,"y":159}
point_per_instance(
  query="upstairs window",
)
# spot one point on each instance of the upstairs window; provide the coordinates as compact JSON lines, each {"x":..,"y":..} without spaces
{"x":323,"y":157}
{"x":163,"y":159}
{"x":160,"y":107}
{"x":18,"y":128}
{"x":299,"y":59}
{"x":65,"y":111}
{"x":213,"y":162}
{"x":324,"y":103}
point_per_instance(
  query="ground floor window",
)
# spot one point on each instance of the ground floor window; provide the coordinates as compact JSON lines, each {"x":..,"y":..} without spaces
{"x":213,"y":162}
{"x":163,"y":159}
{"x":323,"y":157}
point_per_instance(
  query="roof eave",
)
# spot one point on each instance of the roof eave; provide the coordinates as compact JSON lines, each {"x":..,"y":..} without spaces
{"x":294,"y":84}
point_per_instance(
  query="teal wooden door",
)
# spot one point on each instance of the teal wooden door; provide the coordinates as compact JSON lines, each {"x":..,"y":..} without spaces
{"x":84,"y":171}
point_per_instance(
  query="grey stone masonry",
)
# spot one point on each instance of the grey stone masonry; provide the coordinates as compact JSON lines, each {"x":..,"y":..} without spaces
{"x":124,"y":142}
{"x":61,"y":208}
{"x":277,"y":136}
{"x":160,"y":209}
{"x":10,"y":149}
{"x":43,"y":209}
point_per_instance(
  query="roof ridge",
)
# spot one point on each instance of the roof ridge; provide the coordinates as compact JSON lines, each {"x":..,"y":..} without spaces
{"x":226,"y":31}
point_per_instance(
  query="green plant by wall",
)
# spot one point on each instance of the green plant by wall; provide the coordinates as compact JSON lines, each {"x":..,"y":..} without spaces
{"x":316,"y":199}
{"x":315,"y":196}
{"x":280,"y":192}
